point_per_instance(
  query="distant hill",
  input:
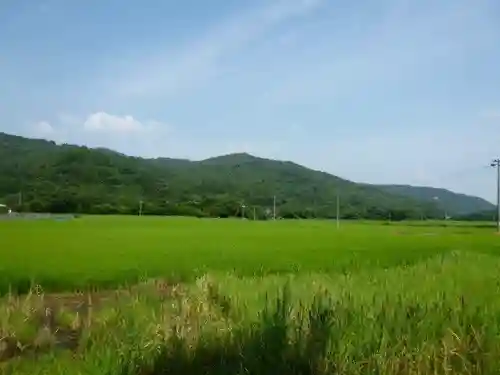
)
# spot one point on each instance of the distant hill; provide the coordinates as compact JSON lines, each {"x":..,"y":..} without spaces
{"x":67,"y":178}
{"x":490,"y":215}
{"x":455,"y":204}
{"x":231,"y":159}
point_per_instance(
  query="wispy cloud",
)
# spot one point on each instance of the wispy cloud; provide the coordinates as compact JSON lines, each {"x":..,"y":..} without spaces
{"x":404,"y":43}
{"x":197,"y":62}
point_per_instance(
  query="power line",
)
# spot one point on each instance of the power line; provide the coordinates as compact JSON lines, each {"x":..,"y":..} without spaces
{"x":496,"y":164}
{"x":463,"y":172}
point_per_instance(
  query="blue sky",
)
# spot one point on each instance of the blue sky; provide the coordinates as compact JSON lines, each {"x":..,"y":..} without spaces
{"x":379,"y":91}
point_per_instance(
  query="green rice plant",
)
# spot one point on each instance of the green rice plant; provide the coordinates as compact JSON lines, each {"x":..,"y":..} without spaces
{"x":236,"y":297}
{"x":96,"y":253}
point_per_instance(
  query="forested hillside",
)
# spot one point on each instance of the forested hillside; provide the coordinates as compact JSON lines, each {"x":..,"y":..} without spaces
{"x":453,"y":204}
{"x":40,"y":176}
{"x":490,"y":215}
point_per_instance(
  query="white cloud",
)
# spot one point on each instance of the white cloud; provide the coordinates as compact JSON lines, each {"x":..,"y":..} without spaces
{"x":102,"y":121}
{"x":128,"y":134}
{"x":105,"y":122}
{"x":44,"y":128}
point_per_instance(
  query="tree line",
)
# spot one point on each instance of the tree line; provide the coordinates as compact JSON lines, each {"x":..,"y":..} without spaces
{"x":41,"y":176}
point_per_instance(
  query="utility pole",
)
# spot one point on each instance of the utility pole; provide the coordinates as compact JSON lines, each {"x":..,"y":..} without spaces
{"x":338,"y":210}
{"x":442,"y":206}
{"x":496,"y":164}
{"x":274,"y":207}
{"x":20,"y":201}
{"x":315,"y":189}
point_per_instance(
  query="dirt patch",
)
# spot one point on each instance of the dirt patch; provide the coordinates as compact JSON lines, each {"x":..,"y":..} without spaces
{"x":84,"y":303}
{"x":59,"y":319}
{"x":45,"y":341}
{"x":49,"y":334}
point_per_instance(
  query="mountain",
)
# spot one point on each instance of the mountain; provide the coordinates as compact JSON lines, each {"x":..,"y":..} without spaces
{"x":454,"y":204}
{"x":231,"y":159}
{"x":41,"y":176}
{"x":490,"y":215}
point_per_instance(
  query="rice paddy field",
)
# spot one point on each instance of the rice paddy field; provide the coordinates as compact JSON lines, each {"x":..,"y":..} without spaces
{"x":149,"y":296}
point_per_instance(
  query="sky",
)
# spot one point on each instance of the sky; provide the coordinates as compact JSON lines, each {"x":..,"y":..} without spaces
{"x":377,"y":91}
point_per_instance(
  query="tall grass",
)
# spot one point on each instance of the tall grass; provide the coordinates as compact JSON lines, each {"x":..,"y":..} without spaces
{"x":335,"y":337}
{"x":438,"y":316}
{"x":409,"y":320}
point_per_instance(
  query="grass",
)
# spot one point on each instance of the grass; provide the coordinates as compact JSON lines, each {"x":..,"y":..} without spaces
{"x":248,"y":298}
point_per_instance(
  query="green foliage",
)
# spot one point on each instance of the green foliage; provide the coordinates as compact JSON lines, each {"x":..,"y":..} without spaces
{"x":453,"y":204}
{"x":489,"y":215}
{"x":70,"y":179}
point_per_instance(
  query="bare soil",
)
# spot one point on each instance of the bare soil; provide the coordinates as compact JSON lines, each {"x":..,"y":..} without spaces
{"x":53,"y":334}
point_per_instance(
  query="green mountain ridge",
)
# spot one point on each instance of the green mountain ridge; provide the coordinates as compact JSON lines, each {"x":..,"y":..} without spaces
{"x":77,"y":179}
{"x":452,"y":203}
